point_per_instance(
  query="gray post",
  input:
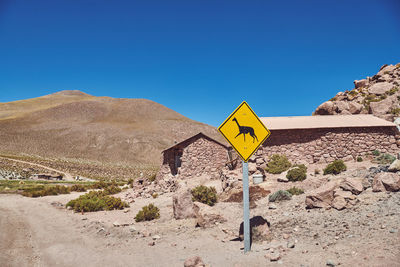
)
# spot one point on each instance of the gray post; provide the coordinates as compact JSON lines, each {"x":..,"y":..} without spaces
{"x":246,"y":211}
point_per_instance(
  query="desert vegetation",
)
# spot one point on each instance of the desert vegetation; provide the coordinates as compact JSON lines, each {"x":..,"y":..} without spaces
{"x":335,"y":167}
{"x":297,"y":173}
{"x":278,"y":164}
{"x":148,"y":213}
{"x":204,"y":194}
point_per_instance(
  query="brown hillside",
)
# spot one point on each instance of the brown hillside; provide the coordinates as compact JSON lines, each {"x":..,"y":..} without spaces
{"x":378,"y":95}
{"x":72,"y":124}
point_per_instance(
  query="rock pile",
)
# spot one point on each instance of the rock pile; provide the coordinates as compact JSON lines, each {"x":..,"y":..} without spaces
{"x":342,"y":193}
{"x":378,"y":95}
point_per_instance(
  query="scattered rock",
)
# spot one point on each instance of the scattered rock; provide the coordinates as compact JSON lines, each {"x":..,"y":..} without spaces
{"x":321,"y":197}
{"x":339,"y":203}
{"x":195,"y":261}
{"x":330,"y":263}
{"x":152,"y":243}
{"x":132,"y":229}
{"x":354,"y":185}
{"x":393,"y":231}
{"x":206,"y":216}
{"x":274,"y":256}
{"x":291,"y":244}
{"x":395,"y":166}
{"x":182,"y":205}
{"x":283,"y":179}
{"x":116,"y":224}
{"x":386,"y":181}
{"x":259,"y":229}
{"x":156,"y":237}
{"x":272,"y":206}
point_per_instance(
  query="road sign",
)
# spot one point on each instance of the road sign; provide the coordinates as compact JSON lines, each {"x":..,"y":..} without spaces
{"x":244,"y":131}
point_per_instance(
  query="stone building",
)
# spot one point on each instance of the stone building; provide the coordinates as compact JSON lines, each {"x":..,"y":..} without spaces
{"x":314,"y":139}
{"x":303,"y":139}
{"x":195,"y":156}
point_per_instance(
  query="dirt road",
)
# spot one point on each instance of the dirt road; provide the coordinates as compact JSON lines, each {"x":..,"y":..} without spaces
{"x":36,"y":232}
{"x":67,"y":176}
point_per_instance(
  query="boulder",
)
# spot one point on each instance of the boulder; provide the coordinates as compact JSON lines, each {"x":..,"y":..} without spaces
{"x":339,"y":203}
{"x":360,"y":83}
{"x":259,"y":229}
{"x":386,"y":181}
{"x":182,"y":205}
{"x":354,"y":185}
{"x":395,"y":166}
{"x":341,"y":106}
{"x":326,"y":108}
{"x":381,"y":107}
{"x":206,"y":216}
{"x":355,"y":108}
{"x":321,"y":197}
{"x":380,"y":88}
{"x":195,"y":261}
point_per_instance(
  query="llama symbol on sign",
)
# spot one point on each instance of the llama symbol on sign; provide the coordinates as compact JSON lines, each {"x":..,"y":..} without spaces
{"x":245,"y":130}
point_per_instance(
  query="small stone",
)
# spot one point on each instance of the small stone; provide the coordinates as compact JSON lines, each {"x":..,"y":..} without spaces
{"x":152,"y":243}
{"x":330,"y":263}
{"x":369,"y":215}
{"x":127,"y":210}
{"x":291,"y":244}
{"x":84,"y":219}
{"x":383,"y":226}
{"x":285,"y":236}
{"x":272,"y":206}
{"x":116,"y":224}
{"x":393,"y":230}
{"x":132,"y":229}
{"x":155,"y":237}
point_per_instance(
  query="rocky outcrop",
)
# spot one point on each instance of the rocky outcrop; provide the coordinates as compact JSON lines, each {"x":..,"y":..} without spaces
{"x":259,"y":229}
{"x":378,"y":95}
{"x":321,"y":197}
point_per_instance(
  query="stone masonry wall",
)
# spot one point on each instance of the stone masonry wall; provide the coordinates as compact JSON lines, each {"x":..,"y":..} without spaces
{"x":326,"y":145}
{"x":199,"y":157}
{"x":203,"y":157}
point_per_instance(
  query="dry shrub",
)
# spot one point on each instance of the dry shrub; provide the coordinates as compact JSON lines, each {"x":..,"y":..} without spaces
{"x":148,"y":213}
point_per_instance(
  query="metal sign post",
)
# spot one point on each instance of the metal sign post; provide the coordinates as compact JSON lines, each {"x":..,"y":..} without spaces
{"x":245,"y":132}
{"x":246,"y":210}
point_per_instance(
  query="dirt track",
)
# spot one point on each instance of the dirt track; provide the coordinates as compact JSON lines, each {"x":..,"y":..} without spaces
{"x":35,"y":232}
{"x":67,"y":176}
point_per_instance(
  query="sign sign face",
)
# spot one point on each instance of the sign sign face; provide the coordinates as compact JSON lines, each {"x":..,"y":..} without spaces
{"x":244,"y":131}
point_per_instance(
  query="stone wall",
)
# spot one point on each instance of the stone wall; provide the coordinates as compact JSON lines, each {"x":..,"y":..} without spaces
{"x":201,"y":156}
{"x":326,"y":145}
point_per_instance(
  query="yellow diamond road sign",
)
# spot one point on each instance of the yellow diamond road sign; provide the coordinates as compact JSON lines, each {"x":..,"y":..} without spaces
{"x":244,"y":131}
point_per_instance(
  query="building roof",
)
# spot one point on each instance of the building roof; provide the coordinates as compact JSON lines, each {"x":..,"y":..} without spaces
{"x":194,"y":137}
{"x":324,"y":121}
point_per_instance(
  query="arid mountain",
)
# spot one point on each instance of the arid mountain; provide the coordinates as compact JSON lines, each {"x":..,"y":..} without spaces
{"x":378,"y":95}
{"x":72,"y":124}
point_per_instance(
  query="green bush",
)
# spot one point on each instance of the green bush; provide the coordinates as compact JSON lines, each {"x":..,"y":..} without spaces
{"x":297,"y":173}
{"x":376,"y":153}
{"x":148,"y":213}
{"x":295,"y":191}
{"x":96,"y":201}
{"x":111,"y":190}
{"x":280,"y":195}
{"x":46,"y":191}
{"x":78,"y":188}
{"x":204,"y":194}
{"x":278,"y":164}
{"x":335,"y":167}
{"x":385,"y":159}
{"x":359,"y":159}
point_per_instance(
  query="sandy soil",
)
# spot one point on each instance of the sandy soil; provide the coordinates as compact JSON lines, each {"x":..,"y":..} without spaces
{"x":41,"y":232}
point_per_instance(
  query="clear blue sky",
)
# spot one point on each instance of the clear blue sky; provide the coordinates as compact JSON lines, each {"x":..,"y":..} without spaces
{"x":200,"y":58}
